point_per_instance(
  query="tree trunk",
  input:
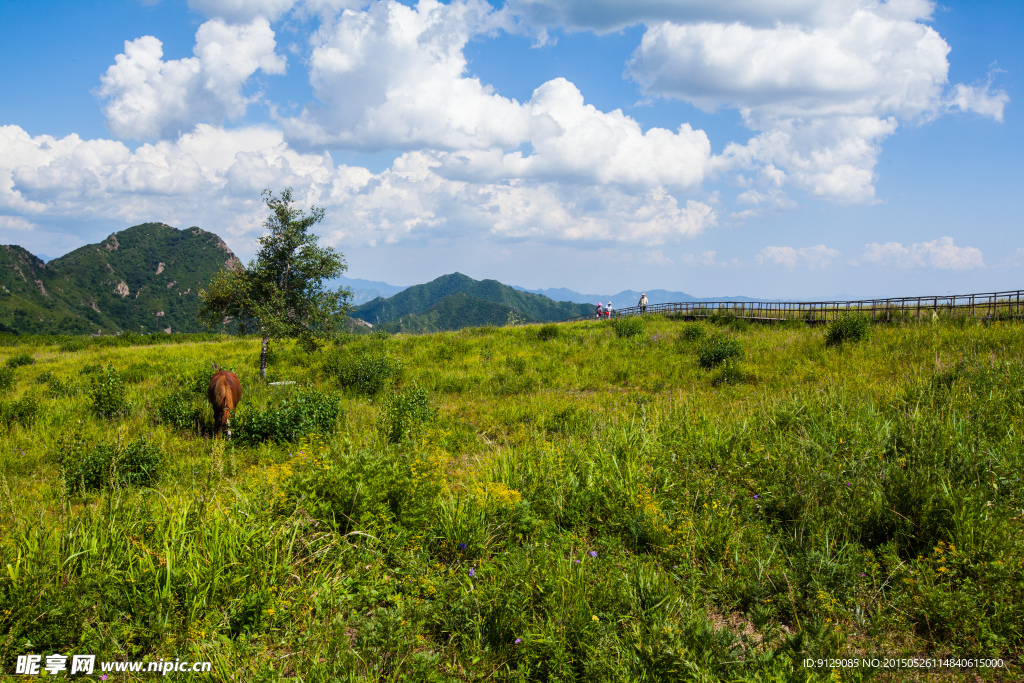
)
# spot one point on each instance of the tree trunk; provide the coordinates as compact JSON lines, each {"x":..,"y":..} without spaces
{"x":263,"y":356}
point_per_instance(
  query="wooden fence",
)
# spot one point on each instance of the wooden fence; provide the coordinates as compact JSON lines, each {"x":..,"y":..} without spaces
{"x":996,"y":305}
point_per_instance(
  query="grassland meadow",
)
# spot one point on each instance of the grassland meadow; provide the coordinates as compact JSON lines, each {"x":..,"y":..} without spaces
{"x":663,"y":500}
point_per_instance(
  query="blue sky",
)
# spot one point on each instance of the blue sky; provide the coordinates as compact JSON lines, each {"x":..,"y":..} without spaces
{"x":775,"y":148}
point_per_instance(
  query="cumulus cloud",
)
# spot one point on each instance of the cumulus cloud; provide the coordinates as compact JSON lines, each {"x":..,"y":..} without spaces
{"x":212,"y":177}
{"x":823,"y":90}
{"x":394,"y":77}
{"x":16,"y":223}
{"x":868,"y":65}
{"x":147,"y":97}
{"x":939,"y":254}
{"x":818,"y":256}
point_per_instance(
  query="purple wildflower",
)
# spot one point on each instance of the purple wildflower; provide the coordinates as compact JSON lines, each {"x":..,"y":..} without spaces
{"x":593,"y":553}
{"x":518,"y":640}
{"x":472,"y":571}
{"x":462,"y":546}
{"x":756,"y":496}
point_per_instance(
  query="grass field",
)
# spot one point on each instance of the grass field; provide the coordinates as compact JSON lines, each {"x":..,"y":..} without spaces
{"x":578,"y":502}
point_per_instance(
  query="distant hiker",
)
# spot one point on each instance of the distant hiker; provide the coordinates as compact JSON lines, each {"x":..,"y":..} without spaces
{"x":608,"y":311}
{"x":600,"y":310}
{"x":643,"y":303}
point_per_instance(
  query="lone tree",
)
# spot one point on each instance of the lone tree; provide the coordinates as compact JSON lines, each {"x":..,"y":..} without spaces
{"x":282,"y":292}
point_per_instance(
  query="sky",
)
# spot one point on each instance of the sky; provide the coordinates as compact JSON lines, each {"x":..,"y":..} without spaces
{"x":801,"y":149}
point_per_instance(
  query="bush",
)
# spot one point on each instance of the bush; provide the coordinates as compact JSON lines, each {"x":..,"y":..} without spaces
{"x":20,"y":359}
{"x":401,"y":410}
{"x":90,"y":467}
{"x":626,"y":328}
{"x":71,"y":345}
{"x":180,"y":410}
{"x":716,"y":351}
{"x":108,"y":393}
{"x":6,"y":379}
{"x":547,"y":332}
{"x":305,"y":412}
{"x":847,"y":328}
{"x":516,"y":364}
{"x":196,"y":380}
{"x":22,"y":411}
{"x":692,"y":332}
{"x":366,"y":375}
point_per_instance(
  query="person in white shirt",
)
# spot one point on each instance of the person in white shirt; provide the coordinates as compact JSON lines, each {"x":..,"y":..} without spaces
{"x":643,"y":303}
{"x":608,"y":311}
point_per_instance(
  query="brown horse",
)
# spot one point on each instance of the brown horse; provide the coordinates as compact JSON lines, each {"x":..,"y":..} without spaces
{"x":224,"y":393}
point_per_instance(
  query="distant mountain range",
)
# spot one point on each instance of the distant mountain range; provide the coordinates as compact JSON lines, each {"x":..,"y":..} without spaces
{"x":146,"y":279}
{"x":142,"y":279}
{"x":455,"y":301}
{"x":365,"y":290}
{"x":628,"y":297}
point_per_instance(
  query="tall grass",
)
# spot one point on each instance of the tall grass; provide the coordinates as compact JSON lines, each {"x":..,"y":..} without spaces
{"x":513,"y":505}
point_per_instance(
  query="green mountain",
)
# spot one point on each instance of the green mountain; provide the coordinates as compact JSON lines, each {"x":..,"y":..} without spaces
{"x":143,"y":279}
{"x":454,"y":301}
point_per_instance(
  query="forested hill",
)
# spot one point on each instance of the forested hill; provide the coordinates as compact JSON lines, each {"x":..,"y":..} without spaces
{"x":143,"y":279}
{"x":455,"y":301}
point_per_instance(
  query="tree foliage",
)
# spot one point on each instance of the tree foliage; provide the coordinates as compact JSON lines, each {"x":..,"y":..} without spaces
{"x":281,"y":293}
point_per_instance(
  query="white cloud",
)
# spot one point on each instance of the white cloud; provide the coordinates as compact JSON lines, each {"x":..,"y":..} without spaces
{"x":823,"y":87}
{"x":575,"y":141}
{"x":818,"y":256}
{"x":939,"y":254}
{"x":16,"y":223}
{"x":213,"y":177}
{"x":979,"y":99}
{"x":866,"y":66}
{"x":393,"y":77}
{"x":147,"y":97}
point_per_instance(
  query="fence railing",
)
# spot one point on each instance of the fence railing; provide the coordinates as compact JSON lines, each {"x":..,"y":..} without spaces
{"x":994,"y":305}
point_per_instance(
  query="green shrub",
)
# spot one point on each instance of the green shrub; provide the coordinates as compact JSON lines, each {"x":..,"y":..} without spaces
{"x":847,"y":328}
{"x":72,"y":345}
{"x":22,"y":411}
{"x":692,"y":332}
{"x":366,"y":375}
{"x":181,"y":410}
{"x":108,"y":393}
{"x":44,"y":377}
{"x":402,"y":410}
{"x":547,"y":332}
{"x":90,"y":467}
{"x":516,"y":364}
{"x":716,"y":350}
{"x":626,"y":328}
{"x":364,"y":489}
{"x":20,"y":360}
{"x":196,"y":379}
{"x":6,"y":379}
{"x":303,"y":413}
